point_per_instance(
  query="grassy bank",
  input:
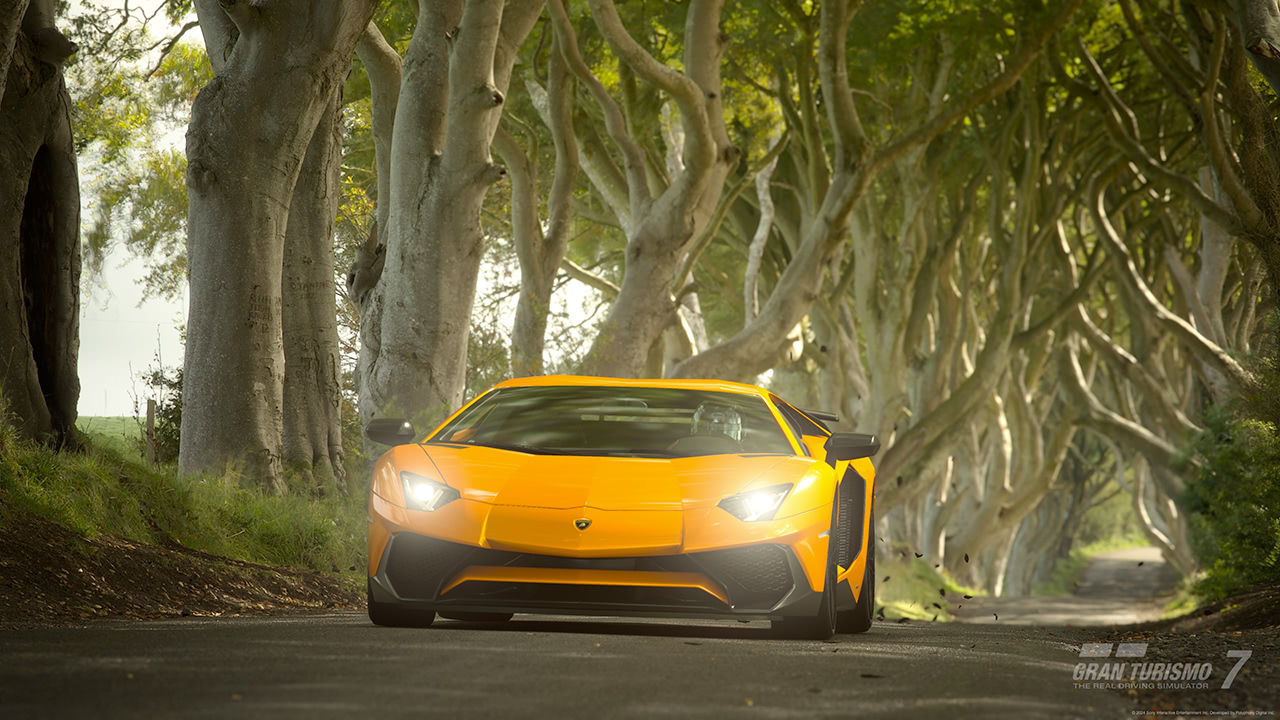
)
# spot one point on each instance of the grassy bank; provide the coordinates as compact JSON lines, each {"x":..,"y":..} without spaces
{"x":108,"y":490}
{"x":917,"y":590}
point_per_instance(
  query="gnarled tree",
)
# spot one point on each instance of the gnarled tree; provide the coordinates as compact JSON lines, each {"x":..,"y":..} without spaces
{"x":39,"y":227}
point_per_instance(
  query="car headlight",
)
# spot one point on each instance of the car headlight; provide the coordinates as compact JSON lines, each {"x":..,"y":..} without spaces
{"x":425,"y":494}
{"x":758,"y":504}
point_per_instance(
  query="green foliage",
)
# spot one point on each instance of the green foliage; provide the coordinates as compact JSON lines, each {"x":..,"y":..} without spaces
{"x":1234,"y":503}
{"x":1111,"y":524}
{"x":145,"y":205}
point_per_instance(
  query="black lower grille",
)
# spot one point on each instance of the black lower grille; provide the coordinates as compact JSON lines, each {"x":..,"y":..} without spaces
{"x":551,"y":595}
{"x":754,"y":576}
{"x":757,"y":576}
{"x":417,"y":565}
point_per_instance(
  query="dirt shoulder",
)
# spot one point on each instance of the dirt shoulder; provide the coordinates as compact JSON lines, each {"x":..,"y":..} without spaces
{"x":51,"y":575}
{"x":1245,"y":623}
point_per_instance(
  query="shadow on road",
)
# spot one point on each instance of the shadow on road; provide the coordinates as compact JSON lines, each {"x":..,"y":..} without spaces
{"x":757,"y":630}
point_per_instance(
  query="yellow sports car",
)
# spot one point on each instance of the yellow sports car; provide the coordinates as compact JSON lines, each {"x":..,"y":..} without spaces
{"x":599,"y":496}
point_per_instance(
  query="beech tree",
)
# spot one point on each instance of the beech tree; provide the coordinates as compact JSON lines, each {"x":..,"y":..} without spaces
{"x":39,"y":227}
{"x":243,"y":166}
{"x":434,"y":118}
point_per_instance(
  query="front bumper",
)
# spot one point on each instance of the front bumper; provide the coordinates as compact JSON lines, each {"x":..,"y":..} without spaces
{"x":759,"y":582}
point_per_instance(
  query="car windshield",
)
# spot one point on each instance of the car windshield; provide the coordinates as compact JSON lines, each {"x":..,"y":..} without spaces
{"x":619,"y":422}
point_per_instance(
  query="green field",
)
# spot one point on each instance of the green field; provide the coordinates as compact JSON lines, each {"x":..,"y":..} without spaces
{"x":122,"y":434}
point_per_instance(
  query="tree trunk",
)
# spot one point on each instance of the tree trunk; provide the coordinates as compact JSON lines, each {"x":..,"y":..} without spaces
{"x":39,"y":247}
{"x":416,"y":322}
{"x":10,"y":22}
{"x":249,"y":132}
{"x":540,"y":254}
{"x":312,"y":439}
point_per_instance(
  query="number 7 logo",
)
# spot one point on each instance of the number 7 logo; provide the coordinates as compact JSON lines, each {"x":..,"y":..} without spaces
{"x":1244,"y":656}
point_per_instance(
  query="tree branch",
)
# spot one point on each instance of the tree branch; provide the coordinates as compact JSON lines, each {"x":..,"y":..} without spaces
{"x":615,"y":123}
{"x":582,"y":275}
{"x":382,"y":64}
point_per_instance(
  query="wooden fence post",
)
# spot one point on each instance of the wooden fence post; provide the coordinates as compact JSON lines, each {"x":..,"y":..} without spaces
{"x":151,"y":432}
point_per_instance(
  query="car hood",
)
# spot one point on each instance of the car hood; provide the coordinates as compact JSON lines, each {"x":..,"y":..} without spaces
{"x":503,"y":477}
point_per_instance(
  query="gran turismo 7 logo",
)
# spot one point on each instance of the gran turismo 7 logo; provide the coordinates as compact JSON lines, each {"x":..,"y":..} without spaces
{"x":1103,"y":672}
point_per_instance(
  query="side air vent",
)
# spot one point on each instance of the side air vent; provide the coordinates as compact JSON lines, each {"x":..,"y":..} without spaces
{"x":848,"y":535}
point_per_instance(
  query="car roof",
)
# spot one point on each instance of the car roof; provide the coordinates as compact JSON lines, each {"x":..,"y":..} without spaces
{"x":592,"y":381}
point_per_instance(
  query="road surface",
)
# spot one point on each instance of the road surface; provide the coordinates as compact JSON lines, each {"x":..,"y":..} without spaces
{"x":340,"y":666}
{"x":1118,"y":587}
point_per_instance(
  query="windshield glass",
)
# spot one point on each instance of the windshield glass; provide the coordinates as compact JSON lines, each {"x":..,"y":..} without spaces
{"x":618,"y":421}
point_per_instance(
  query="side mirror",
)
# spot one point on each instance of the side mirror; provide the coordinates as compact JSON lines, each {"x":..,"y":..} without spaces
{"x":390,"y":431}
{"x":851,"y":446}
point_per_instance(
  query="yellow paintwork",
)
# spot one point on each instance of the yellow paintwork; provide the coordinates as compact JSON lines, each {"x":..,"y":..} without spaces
{"x":638,"y":506}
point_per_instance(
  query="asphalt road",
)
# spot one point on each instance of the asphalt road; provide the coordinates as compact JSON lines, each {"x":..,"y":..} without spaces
{"x":340,"y":666}
{"x":1118,"y":587}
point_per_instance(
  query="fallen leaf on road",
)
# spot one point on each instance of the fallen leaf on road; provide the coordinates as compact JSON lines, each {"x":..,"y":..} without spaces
{"x":872,"y":676}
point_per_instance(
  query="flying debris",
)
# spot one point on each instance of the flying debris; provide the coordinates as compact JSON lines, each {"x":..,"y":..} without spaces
{"x":886,"y":578}
{"x":901,"y":620}
{"x":966,"y":557}
{"x":968,"y":597}
{"x":997,"y":615}
{"x":1141,"y":563}
{"x":942,"y":592}
{"x":937,"y":605}
{"x":919,"y":555}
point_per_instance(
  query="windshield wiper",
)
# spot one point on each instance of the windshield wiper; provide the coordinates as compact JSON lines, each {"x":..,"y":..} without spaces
{"x":528,"y":449}
{"x":641,"y":452}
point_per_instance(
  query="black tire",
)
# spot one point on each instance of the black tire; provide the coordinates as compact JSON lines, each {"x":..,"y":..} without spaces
{"x":823,"y":623}
{"x":859,"y":619}
{"x":476,"y":616}
{"x":392,"y":616}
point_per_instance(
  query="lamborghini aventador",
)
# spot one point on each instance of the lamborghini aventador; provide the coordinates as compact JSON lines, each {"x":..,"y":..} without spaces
{"x":599,"y":496}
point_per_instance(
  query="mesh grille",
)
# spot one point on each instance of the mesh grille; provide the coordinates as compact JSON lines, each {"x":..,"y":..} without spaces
{"x":417,"y":564}
{"x":759,"y":568}
{"x":757,"y":576}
